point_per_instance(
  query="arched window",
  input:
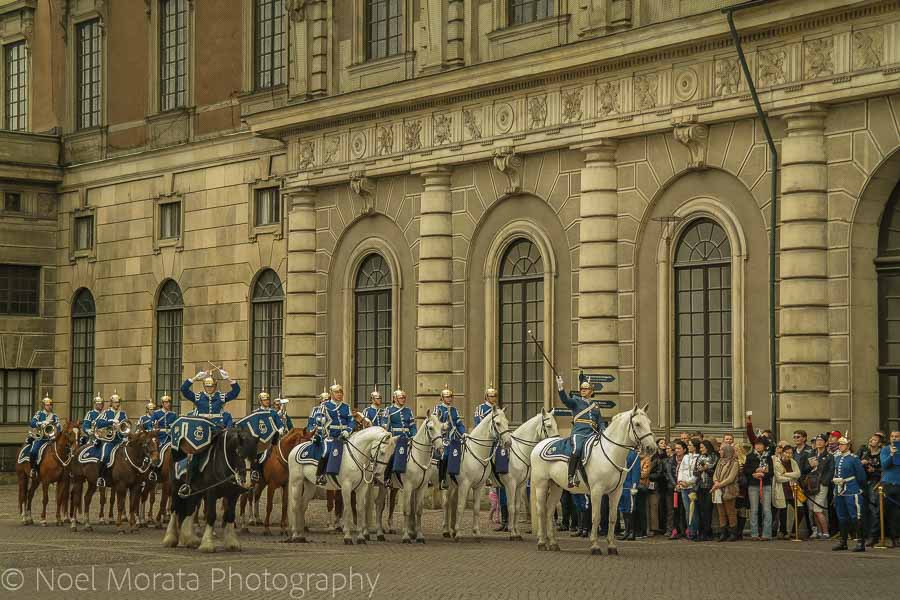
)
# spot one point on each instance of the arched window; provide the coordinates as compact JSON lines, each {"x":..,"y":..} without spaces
{"x":267,"y":334}
{"x":521,"y":297}
{"x":703,"y":393}
{"x":84,"y":313}
{"x":373,"y":330}
{"x":887,"y":265}
{"x":169,"y":326}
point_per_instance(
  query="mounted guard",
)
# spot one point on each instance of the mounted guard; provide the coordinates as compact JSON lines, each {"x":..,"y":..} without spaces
{"x":112,"y":427}
{"x":399,"y":420}
{"x":44,"y":428}
{"x":339,"y":428}
{"x":88,"y":423}
{"x":586,"y":421}
{"x":372,"y":413}
{"x":162,"y":419}
{"x":453,"y":437}
{"x":287,"y":423}
{"x":146,"y":419}
{"x":210,"y":403}
{"x":264,"y":409}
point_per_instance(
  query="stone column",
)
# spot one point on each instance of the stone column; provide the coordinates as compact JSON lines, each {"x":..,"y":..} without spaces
{"x":434,"y":341}
{"x":803,"y":345}
{"x":300,"y":364}
{"x":598,"y":306}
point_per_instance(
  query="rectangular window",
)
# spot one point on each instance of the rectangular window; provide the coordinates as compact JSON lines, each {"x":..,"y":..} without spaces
{"x":84,"y":232}
{"x":169,"y":220}
{"x":172,"y":53}
{"x":268,"y":207}
{"x":88,"y":73}
{"x":12,"y":202}
{"x":384,"y":26}
{"x":268,"y":335}
{"x":19,"y":290}
{"x":268,"y":20}
{"x":82,"y":364}
{"x":372,"y":350}
{"x":16,"y":396}
{"x":168,"y":354}
{"x":16,"y":87}
{"x":526,"y":11}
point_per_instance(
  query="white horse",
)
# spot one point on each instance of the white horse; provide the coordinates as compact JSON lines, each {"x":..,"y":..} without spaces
{"x":605,"y":468}
{"x":428,"y":438}
{"x":474,"y":471}
{"x":365,"y":457}
{"x":525,"y":437}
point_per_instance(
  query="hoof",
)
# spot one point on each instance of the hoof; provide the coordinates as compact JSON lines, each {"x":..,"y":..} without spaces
{"x":361,"y":540}
{"x":613,"y":551}
{"x":381,"y":538}
{"x":348,"y":542}
{"x":266,"y":532}
{"x":420,"y":540}
{"x":542,"y":547}
{"x":88,"y":528}
{"x":296,"y":540}
{"x":446,"y":534}
{"x":245,"y":529}
{"x":406,"y":541}
{"x":553,"y":547}
{"x":207,"y":549}
{"x":43,"y":523}
{"x":596,"y":552}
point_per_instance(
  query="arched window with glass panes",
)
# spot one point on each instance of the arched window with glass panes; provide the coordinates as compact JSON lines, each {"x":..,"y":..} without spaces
{"x":521,"y":308}
{"x":84,"y":314}
{"x":267,"y":325}
{"x":373,"y":329}
{"x":703,"y":357}
{"x":169,"y":335}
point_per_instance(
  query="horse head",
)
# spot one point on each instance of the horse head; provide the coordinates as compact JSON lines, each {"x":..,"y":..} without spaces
{"x":240,"y":450}
{"x":148,"y":444}
{"x":435,"y":430}
{"x":549,"y":428}
{"x":641,"y":430}
{"x":380,"y":452}
{"x":500,"y":426}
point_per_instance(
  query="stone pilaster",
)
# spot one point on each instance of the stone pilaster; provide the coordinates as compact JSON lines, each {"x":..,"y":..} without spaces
{"x":434,"y":342}
{"x":803,"y":345}
{"x":300,"y":376}
{"x":598,"y":306}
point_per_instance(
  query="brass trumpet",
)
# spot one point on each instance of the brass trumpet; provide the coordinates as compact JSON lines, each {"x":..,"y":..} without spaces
{"x":45,"y":430}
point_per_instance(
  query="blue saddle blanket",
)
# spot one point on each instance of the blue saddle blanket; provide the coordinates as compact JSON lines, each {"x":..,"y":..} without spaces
{"x":261,"y":424}
{"x":90,"y":454}
{"x":196,"y":431}
{"x":25,"y":452}
{"x":401,"y":455}
{"x":454,"y":457}
{"x":335,"y":454}
{"x":501,"y":460}
{"x":309,"y":453}
{"x":561,"y":449}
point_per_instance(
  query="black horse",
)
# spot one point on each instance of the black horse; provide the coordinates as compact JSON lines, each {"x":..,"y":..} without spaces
{"x":226,"y":475}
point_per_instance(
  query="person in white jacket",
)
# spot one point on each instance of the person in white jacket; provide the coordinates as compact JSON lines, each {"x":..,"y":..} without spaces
{"x":786,"y":473}
{"x":686,"y":485}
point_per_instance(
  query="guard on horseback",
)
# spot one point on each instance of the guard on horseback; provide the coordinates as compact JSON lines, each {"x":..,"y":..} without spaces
{"x":210,"y":403}
{"x":162,"y":419}
{"x":89,"y":422}
{"x":399,"y":420}
{"x":373,"y":412}
{"x":456,"y":430}
{"x":112,"y":427}
{"x":586,"y":421}
{"x":339,"y":427}
{"x":281,"y":409}
{"x":265,"y":406}
{"x":146,"y":420}
{"x":44,"y":427}
{"x":483,"y":410}
{"x":318,"y":418}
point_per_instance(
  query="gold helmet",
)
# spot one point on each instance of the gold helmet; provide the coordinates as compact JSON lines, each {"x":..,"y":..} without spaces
{"x":324,"y":395}
{"x":115,"y":397}
{"x":209,"y":382}
{"x":375,"y":394}
{"x":165,"y":398}
{"x":398,"y":393}
{"x":336,"y":387}
{"x":98,"y":399}
{"x":263,"y":396}
{"x":446,"y":392}
{"x":47,"y":401}
{"x":586,"y":385}
{"x":490,"y":392}
{"x":150,"y":406}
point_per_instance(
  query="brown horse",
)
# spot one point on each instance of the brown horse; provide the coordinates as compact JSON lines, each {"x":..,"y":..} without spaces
{"x":274,"y":476}
{"x":129,"y":470}
{"x":53,"y":469}
{"x":164,"y":484}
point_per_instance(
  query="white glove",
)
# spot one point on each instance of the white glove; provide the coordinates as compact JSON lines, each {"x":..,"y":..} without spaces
{"x":345,"y":435}
{"x":838,"y":480}
{"x":224,"y":374}
{"x":200,"y":375}
{"x":633,"y":491}
{"x":559,"y":383}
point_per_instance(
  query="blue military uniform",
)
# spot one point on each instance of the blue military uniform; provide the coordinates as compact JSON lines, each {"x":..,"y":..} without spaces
{"x":38,"y":420}
{"x":87,"y":424}
{"x":286,"y":423}
{"x":211,"y":407}
{"x":338,"y":423}
{"x":145,"y":423}
{"x":849,"y":477}
{"x":400,"y":422}
{"x":452,"y":437}
{"x":109,"y":418}
{"x":162,"y":419}
{"x":586,"y":421}
{"x":372,"y":414}
{"x":483,"y":410}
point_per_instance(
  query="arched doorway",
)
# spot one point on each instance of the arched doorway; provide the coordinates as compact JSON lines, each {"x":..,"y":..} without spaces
{"x":887,"y":267}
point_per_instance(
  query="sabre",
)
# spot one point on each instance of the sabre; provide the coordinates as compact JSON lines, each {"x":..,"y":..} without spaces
{"x":544,"y":354}
{"x":219,"y":369}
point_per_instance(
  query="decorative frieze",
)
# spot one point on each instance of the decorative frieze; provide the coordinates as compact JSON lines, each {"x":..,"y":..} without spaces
{"x":868,"y":48}
{"x":646,"y":88}
{"x":443,"y":133}
{"x":571,"y":105}
{"x":819,"y":58}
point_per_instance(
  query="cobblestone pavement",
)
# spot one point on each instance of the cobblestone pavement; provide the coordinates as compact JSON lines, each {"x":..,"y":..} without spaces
{"x":77,"y":565}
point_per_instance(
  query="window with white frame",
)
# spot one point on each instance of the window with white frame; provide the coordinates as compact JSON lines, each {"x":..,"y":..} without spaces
{"x":15,"y":92}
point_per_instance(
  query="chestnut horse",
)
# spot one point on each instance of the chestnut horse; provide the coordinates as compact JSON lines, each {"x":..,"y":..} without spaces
{"x":129,"y":470}
{"x":274,"y":477}
{"x":53,"y":469}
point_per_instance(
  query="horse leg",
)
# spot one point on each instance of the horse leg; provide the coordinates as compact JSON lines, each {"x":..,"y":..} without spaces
{"x":511,"y":486}
{"x":462,"y":495}
{"x":613,"y":518}
{"x":284,"y":507}
{"x":32,"y":490}
{"x":297,"y":501}
{"x":230,"y":535}
{"x":88,"y":496}
{"x":136,"y":520}
{"x":62,"y":498}
{"x":208,"y":543}
{"x":74,"y":502}
{"x":554,"y":493}
{"x":409,"y":526}
{"x":476,"y":512}
{"x":270,"y":499}
{"x":445,"y":505}
{"x":539,"y":490}
{"x":347,"y":516}
{"x":379,"y":513}
{"x":186,"y":535}
{"x":103,"y":505}
{"x":44,"y":499}
{"x":120,"y":506}
{"x":170,"y":539}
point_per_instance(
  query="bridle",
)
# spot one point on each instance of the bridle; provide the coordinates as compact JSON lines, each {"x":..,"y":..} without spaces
{"x":487,"y":443}
{"x":428,"y":448}
{"x":368,"y":469}
{"x":633,"y":434}
{"x":543,"y":435}
{"x":146,"y":463}
{"x":64,"y":463}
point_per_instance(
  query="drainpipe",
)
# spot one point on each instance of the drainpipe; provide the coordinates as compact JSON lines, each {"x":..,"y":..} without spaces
{"x":773,"y":202}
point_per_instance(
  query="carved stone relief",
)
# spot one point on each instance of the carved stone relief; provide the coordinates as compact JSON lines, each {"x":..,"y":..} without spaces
{"x":510,"y":164}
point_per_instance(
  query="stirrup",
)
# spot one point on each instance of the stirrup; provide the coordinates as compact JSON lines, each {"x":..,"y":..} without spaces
{"x":34,"y":473}
{"x":152,"y":476}
{"x":322,"y":480}
{"x":184,"y":490}
{"x":254,"y":476}
{"x":573,"y":481}
{"x":101,"y":483}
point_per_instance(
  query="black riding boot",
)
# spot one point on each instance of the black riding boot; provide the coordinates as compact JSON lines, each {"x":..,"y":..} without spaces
{"x":320,"y":471}
{"x":845,"y":533}
{"x":628,"y":524}
{"x":102,"y":474}
{"x":504,"y":519}
{"x":573,"y":467}
{"x":860,"y":536}
{"x":442,"y":473}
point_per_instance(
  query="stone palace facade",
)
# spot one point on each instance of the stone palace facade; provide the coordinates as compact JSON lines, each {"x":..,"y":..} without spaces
{"x":407,"y":192}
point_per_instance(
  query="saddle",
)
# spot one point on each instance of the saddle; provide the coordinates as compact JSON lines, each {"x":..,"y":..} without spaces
{"x":500,"y":461}
{"x":89,"y":454}
{"x":454,"y":457}
{"x":261,"y":424}
{"x":560,"y":449}
{"x":197,"y":432}
{"x":25,"y":453}
{"x":400,"y":456}
{"x":309,"y":453}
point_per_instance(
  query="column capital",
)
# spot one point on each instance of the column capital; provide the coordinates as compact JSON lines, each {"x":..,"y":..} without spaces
{"x":435,"y":175}
{"x":803,"y":118}
{"x":301,"y":196}
{"x":598,"y":150}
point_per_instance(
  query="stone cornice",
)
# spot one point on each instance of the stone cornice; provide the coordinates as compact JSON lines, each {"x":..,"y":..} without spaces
{"x":596,"y":57}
